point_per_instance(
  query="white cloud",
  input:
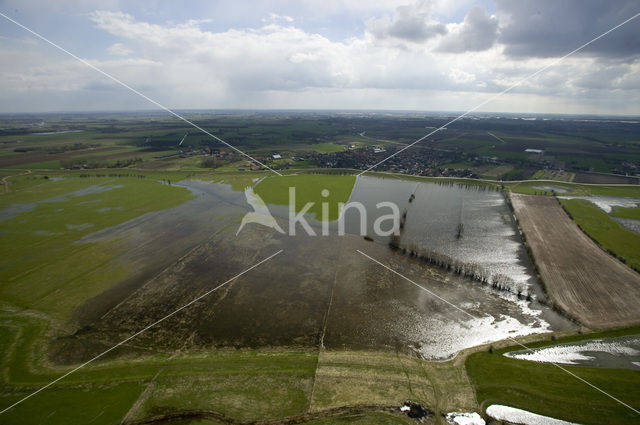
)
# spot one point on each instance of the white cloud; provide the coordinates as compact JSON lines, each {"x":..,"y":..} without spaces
{"x":459,"y":76}
{"x":119,"y":49}
{"x":396,"y":63}
{"x":478,"y":32}
{"x":275,"y":18}
{"x":412,"y":23}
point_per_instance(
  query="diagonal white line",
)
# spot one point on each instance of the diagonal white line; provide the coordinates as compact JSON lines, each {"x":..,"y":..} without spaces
{"x":111,"y":77}
{"x":124,"y":341}
{"x":511,"y":338}
{"x":508,"y":89}
{"x":496,"y":137}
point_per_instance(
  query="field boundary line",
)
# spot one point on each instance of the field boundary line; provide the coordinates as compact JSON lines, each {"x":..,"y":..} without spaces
{"x":508,"y":337}
{"x":508,"y":89}
{"x":124,"y":341}
{"x":128,"y":87}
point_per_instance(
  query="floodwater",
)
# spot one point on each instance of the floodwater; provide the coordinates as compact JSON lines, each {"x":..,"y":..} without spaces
{"x":553,"y":189}
{"x":488,"y":245}
{"x":320,"y":291}
{"x":621,"y":352}
{"x":15,"y":209}
{"x":629,"y":223}
{"x":606,"y":203}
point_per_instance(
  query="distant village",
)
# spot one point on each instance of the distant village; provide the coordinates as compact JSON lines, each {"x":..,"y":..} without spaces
{"x":423,"y":161}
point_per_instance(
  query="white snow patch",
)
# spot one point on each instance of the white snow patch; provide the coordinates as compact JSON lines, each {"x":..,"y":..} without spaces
{"x":519,"y":416}
{"x":461,"y":418}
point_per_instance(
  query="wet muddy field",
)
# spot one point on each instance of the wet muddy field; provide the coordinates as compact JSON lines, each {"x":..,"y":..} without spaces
{"x":319,"y":291}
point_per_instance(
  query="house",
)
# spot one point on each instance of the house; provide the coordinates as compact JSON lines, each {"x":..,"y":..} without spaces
{"x":276,"y":156}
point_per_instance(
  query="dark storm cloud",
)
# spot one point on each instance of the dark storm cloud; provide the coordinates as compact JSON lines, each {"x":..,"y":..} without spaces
{"x":410,"y":23}
{"x":551,"y":28}
{"x":478,"y":32}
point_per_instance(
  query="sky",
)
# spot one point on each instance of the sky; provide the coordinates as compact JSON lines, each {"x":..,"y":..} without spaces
{"x":426,"y":55}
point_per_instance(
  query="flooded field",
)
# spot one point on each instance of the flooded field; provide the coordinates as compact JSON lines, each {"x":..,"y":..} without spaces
{"x":320,"y":291}
{"x":466,"y":225}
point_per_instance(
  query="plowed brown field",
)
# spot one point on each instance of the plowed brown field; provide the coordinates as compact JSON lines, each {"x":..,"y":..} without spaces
{"x":580,"y":278}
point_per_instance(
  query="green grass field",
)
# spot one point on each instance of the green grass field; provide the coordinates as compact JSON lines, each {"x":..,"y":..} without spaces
{"x":611,"y":235}
{"x":547,"y":390}
{"x":242,"y":384}
{"x":575,"y":189}
{"x":275,"y":190}
{"x":632,"y":213}
{"x":39,"y":247}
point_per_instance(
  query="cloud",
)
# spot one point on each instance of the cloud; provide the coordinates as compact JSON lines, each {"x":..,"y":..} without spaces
{"x":275,"y":18}
{"x":272,"y":57}
{"x":533,"y":28}
{"x":119,"y":49}
{"x":281,"y":64}
{"x":478,"y":32}
{"x":410,"y":23}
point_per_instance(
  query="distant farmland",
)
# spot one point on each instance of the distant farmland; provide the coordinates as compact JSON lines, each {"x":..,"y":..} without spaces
{"x":581,"y":278}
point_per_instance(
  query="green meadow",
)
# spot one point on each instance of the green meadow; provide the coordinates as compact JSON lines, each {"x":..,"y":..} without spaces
{"x":612,"y":236}
{"x":308,"y":188}
{"x":548,"y":390}
{"x":40,"y":241}
{"x":631,"y":213}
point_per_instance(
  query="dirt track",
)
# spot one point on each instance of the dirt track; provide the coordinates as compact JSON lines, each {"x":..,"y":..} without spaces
{"x":307,"y":417}
{"x":581,"y":279}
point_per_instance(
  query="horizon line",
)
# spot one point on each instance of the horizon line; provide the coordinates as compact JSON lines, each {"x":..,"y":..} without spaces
{"x":309,"y":110}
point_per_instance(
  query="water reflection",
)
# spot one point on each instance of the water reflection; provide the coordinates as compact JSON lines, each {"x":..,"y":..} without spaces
{"x":319,"y":288}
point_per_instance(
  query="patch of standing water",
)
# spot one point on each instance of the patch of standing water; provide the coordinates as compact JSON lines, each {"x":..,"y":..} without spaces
{"x":606,"y":203}
{"x":16,"y":209}
{"x":553,"y":189}
{"x":620,"y":352}
{"x":455,"y":336}
{"x":629,"y":223}
{"x":523,"y":417}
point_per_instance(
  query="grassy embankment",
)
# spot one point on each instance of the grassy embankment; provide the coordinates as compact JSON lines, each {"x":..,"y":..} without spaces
{"x":547,"y":390}
{"x":610,"y":235}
